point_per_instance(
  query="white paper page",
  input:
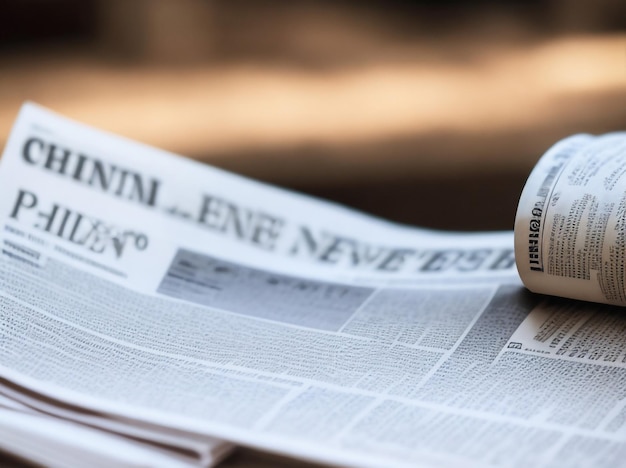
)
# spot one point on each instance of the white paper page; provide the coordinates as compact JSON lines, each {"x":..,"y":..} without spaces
{"x":10,"y":403}
{"x":140,"y":193}
{"x":192,"y":448}
{"x":57,"y":443}
{"x":216,"y":336}
{"x":570,"y":230}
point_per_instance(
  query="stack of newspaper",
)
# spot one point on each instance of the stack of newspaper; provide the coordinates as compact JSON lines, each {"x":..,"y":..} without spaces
{"x":155,"y":311}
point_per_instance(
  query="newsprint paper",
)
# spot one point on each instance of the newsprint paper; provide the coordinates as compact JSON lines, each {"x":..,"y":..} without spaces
{"x":155,"y":311}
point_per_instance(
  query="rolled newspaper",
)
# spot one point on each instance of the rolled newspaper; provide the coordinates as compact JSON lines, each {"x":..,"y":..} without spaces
{"x":570,"y":227}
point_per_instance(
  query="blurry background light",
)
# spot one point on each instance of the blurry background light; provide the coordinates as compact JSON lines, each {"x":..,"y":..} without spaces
{"x":376,"y":104}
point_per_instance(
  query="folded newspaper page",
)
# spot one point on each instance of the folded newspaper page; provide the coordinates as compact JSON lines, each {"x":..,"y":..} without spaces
{"x":55,"y":442}
{"x":120,"y":443}
{"x":570,"y":230}
{"x":169,"y":305}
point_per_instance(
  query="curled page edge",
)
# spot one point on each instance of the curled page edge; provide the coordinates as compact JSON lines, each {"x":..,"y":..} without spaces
{"x":555,"y":259}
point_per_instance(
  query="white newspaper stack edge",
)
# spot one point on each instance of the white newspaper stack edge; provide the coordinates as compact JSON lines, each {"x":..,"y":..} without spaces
{"x":142,"y":293}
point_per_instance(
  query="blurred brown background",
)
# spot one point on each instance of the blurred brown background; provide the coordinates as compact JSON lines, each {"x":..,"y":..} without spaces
{"x":430,"y":112}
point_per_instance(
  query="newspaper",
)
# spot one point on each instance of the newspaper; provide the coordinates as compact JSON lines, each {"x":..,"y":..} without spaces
{"x":56,"y":442}
{"x":571,"y":221}
{"x":144,"y":294}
